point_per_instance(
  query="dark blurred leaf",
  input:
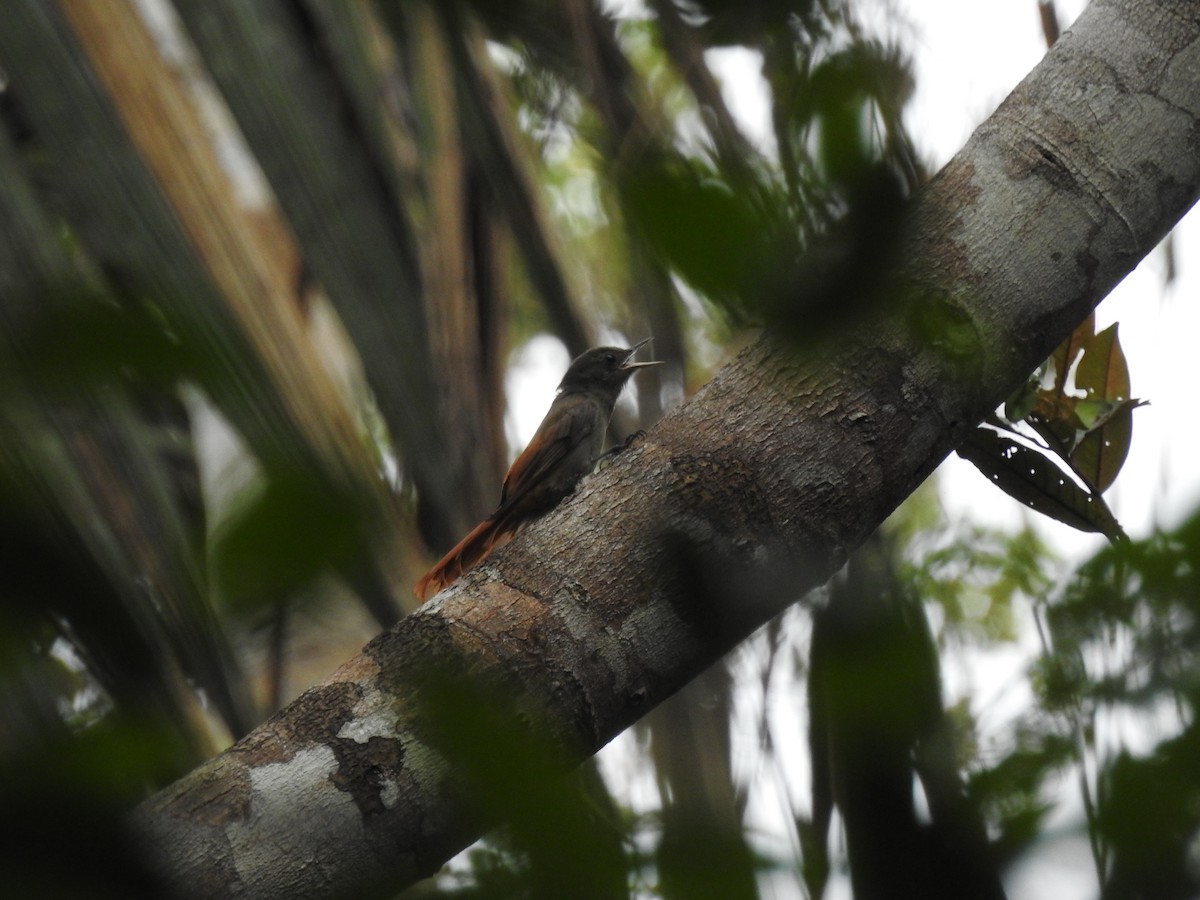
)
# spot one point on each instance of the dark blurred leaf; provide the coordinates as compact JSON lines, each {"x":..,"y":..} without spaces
{"x":289,"y":530}
{"x":88,"y":340}
{"x":726,"y":245}
{"x":698,"y":860}
{"x":839,"y":99}
{"x":1012,"y":792}
{"x":63,"y":800}
{"x":1148,"y":815}
{"x":875,"y":699}
{"x":563,"y":836}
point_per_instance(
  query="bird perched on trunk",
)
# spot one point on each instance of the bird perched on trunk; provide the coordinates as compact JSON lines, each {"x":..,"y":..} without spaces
{"x":563,"y":449}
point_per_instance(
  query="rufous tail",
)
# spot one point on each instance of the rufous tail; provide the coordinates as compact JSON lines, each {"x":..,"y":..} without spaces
{"x":466,"y":555}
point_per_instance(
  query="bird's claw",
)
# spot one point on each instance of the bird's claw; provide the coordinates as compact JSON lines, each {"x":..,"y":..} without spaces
{"x":607,"y":456}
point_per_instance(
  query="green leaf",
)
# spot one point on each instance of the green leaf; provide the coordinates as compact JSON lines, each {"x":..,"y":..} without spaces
{"x":1021,"y":402}
{"x":1106,"y":413}
{"x":1094,"y":413}
{"x":1102,"y":452}
{"x":723,"y":243}
{"x":1102,"y":371}
{"x":287,"y":530}
{"x":1054,"y":419}
{"x":1066,"y":352}
{"x":1035,"y":480}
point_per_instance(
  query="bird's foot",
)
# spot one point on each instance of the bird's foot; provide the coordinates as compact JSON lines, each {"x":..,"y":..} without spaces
{"x":634,"y":438}
{"x":607,"y":456}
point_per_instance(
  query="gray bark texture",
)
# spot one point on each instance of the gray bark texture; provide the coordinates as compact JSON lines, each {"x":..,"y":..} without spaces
{"x":737,"y":502}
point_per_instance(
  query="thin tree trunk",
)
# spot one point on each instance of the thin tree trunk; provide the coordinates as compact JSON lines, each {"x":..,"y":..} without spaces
{"x":737,"y":502}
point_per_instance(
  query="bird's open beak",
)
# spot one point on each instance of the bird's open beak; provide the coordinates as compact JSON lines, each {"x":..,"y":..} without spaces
{"x":630,"y":364}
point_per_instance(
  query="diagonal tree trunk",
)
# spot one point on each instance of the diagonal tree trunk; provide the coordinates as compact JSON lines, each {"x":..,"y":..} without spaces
{"x":737,"y":502}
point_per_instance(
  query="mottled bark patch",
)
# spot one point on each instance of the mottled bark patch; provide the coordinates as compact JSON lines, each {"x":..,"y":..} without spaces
{"x":422,"y":636}
{"x":320,"y":712}
{"x":368,"y":772}
{"x":219,"y":796}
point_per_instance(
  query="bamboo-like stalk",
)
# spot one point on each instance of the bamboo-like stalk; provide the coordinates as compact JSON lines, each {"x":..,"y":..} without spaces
{"x":317,"y":148}
{"x":151,"y":203}
{"x":172,"y":140}
{"x":87,"y":470}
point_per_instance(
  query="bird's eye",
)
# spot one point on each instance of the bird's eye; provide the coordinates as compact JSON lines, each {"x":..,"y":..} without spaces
{"x":609,"y":358}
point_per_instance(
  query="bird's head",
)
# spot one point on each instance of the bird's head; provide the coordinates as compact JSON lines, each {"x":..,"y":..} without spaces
{"x":604,"y":367}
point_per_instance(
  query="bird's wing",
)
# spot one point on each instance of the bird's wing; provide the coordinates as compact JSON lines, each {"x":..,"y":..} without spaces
{"x":561,"y":431}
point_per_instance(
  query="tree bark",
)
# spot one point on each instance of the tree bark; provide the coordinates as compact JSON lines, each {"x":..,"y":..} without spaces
{"x":737,"y":502}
